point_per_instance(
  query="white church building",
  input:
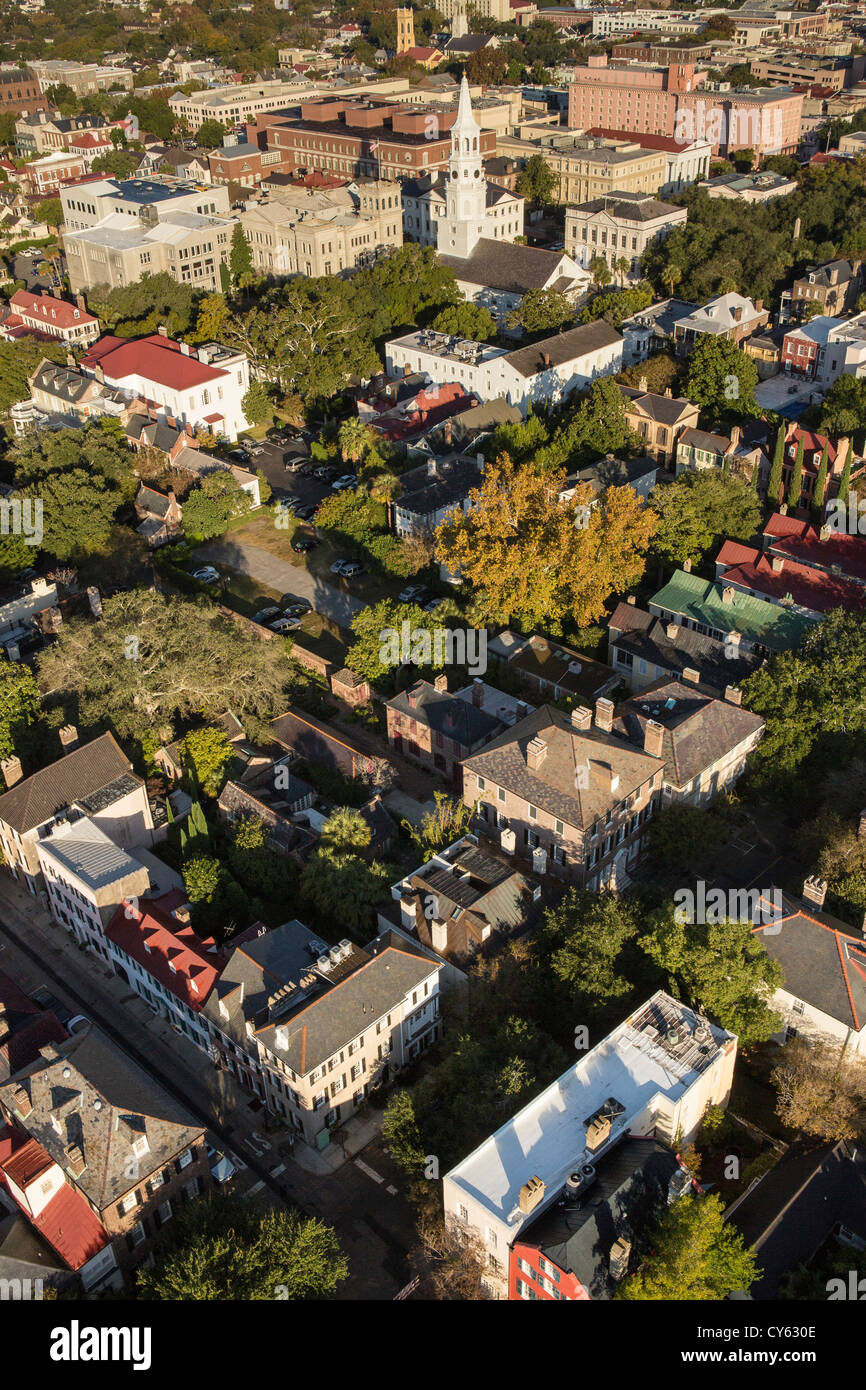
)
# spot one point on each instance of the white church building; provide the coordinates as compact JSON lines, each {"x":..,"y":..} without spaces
{"x":474,"y":225}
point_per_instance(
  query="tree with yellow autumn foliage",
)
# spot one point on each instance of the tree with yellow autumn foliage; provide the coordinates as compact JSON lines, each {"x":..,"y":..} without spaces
{"x":534,"y":557}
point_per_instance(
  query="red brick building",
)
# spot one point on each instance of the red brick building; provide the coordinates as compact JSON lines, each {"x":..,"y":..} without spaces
{"x":20,"y":92}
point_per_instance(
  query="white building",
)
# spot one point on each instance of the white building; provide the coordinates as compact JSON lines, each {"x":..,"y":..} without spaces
{"x":546,"y":371}
{"x":654,"y":1075}
{"x":87,"y":876}
{"x":202,"y":387}
{"x":619,"y":227}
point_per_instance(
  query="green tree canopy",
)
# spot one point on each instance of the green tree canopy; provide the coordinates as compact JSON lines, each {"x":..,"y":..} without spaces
{"x":210,"y":507}
{"x":722,"y":378}
{"x":208,"y":754}
{"x":700,"y":509}
{"x":19,"y":705}
{"x":696,"y":1256}
{"x":536,"y":181}
{"x":541,"y":311}
{"x":466,"y":321}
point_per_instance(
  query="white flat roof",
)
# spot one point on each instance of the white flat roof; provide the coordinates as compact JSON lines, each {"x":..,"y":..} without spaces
{"x":548,"y":1137}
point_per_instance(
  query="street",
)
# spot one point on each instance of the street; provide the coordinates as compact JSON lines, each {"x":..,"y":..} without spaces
{"x":373,"y":1222}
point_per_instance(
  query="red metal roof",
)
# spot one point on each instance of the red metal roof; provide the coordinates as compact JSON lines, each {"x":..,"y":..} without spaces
{"x":152,"y":938}
{"x":67,"y":1222}
{"x":50,"y":310}
{"x":639,"y":137}
{"x":789,"y":535}
{"x":808,"y":587}
{"x":155,"y":359}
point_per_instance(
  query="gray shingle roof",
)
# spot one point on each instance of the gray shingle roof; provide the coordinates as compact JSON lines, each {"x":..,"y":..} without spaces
{"x":505,"y":266}
{"x":646,"y":636}
{"x":563,"y":347}
{"x":823,"y":960}
{"x":665,"y":410}
{"x":78,"y":775}
{"x":457,"y":719}
{"x":698,"y":729}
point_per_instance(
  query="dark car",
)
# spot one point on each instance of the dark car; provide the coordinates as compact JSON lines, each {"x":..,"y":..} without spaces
{"x":306,"y":511}
{"x":50,"y":1002}
{"x":239,"y":456}
{"x":297,"y":608}
{"x":301,"y":544}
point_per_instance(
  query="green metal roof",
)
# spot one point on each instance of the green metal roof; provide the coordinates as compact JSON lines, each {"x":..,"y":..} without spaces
{"x":767,"y":624}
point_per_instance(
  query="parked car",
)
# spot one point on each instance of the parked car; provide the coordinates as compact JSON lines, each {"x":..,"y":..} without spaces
{"x":326,"y":474}
{"x":294,"y":463}
{"x":50,"y":1002}
{"x":411,"y":593}
{"x":265,"y":615}
{"x":297,"y":607}
{"x":222,"y":1169}
{"x":347,"y":480}
{"x":285,"y":625}
{"x":433,"y":604}
{"x":304,"y":512}
{"x":301,"y":544}
{"x":239,"y":456}
{"x":339,"y":565}
{"x":307,"y":470}
{"x":352,"y":571}
{"x":207,"y":574}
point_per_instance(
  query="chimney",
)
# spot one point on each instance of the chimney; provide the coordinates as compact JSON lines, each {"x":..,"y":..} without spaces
{"x":604,"y":715}
{"x":736,"y":435}
{"x":630,"y":598}
{"x":182,"y":914}
{"x":536,"y":752}
{"x":687,"y":566}
{"x":728,"y":594}
{"x":643,"y":385}
{"x":448,"y":433}
{"x":70,"y":360}
{"x":653,"y":737}
{"x":74,"y":1160}
{"x":690,"y":675}
{"x":184,"y":347}
{"x":68,"y":738}
{"x":759,"y":305}
{"x":672,"y":630}
{"x":478,"y":692}
{"x":581,"y":719}
{"x":163,"y":331}
{"x":815,"y":891}
{"x":733,"y":639}
{"x":531,"y":1193}
{"x":441,"y":682}
{"x":669,"y":393}
{"x":733,"y":695}
{"x":412,"y":697}
{"x":778,"y":563}
{"x":22,"y":1101}
{"x":79,"y":300}
{"x":545,"y":359}
{"x":12,"y":770}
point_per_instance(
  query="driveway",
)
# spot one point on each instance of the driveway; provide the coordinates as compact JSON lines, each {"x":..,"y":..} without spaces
{"x":283,"y":577}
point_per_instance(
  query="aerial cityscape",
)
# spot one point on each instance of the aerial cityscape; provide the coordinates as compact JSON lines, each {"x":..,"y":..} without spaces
{"x":433,"y":661}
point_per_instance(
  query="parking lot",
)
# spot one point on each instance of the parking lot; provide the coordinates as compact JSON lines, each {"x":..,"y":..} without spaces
{"x":270,"y":457}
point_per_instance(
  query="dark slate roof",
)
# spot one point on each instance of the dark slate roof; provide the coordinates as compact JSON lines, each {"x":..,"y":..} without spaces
{"x":628,"y":1195}
{"x":28,"y":1028}
{"x":563,"y":347}
{"x":613,"y":472}
{"x":153,"y":502}
{"x":68,"y":384}
{"x":699,"y":730}
{"x":505,"y":265}
{"x":451,"y":485}
{"x":823,"y":960}
{"x":553,"y":785}
{"x":306,"y":736}
{"x":629,"y":210}
{"x":646,"y":636}
{"x":665,"y":410}
{"x":831,"y":273}
{"x":79,"y":776}
{"x":468,"y":43}
{"x":447,"y":714}
{"x":797,"y":1205}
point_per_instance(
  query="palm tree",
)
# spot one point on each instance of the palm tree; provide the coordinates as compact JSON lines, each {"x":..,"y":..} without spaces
{"x":672,"y":276}
{"x":622,"y":266}
{"x":355,"y":439}
{"x":598,"y":269}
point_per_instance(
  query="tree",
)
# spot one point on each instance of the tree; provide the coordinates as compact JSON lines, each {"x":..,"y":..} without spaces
{"x":721,"y":967}
{"x":774,"y":485}
{"x":77,"y":511}
{"x":210,"y":134}
{"x":120,"y":164}
{"x":218,"y":1248}
{"x":15,"y":555}
{"x":466,"y":321}
{"x":614,"y":306}
{"x":819,"y":493}
{"x":536,"y":182}
{"x":240,"y":259}
{"x":622,"y":266}
{"x":208,"y":754}
{"x":355,"y":438}
{"x":447,"y":822}
{"x":49,"y":211}
{"x":671,"y":276}
{"x":345,"y":831}
{"x":696,"y":1256}
{"x":795,"y":490}
{"x":340,"y":884}
{"x":541,"y":311}
{"x":151,"y":659}
{"x":256,"y":403}
{"x":19,"y":705}
{"x":213,"y":312}
{"x":18,"y":362}
{"x":202,"y":878}
{"x":210,"y":507}
{"x":697,"y":510}
{"x":844,"y":408}
{"x":599,"y":270}
{"x":400,"y":1133}
{"x":145,"y":305}
{"x":533,"y":557}
{"x":722,"y":378}
{"x":845,"y":476}
{"x":585,"y":934}
{"x":682,"y":835}
{"x":821,"y":1087}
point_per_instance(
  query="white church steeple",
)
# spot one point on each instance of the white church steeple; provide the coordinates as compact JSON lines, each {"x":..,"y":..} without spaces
{"x":466,"y":193}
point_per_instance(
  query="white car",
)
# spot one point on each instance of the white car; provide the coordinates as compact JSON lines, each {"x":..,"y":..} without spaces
{"x":347,"y":480}
{"x":207,"y":574}
{"x":222,"y":1169}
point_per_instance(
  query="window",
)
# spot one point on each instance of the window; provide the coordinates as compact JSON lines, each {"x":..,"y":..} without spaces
{"x":138,"y":1233}
{"x":559,"y":827}
{"x":165,"y":1213}
{"x":500,"y":793}
{"x":481,"y":783}
{"x":126,"y":1203}
{"x":798,"y":1006}
{"x":533,"y":813}
{"x":185,"y":1159}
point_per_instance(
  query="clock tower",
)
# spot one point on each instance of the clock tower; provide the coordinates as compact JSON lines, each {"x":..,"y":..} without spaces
{"x":466,"y":192}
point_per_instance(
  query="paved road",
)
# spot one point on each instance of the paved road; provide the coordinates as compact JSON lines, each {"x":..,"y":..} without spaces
{"x":282,"y":576}
{"x":373,"y":1223}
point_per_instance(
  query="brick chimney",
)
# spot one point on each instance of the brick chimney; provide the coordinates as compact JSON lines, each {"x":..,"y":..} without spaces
{"x":778,"y":562}
{"x":478,"y":692}
{"x":653,"y":738}
{"x":581,"y":719}
{"x":733,"y":639}
{"x":691,"y":676}
{"x":815,"y":891}
{"x":68,"y":738}
{"x":12,"y":770}
{"x":733,"y":695}
{"x":441,"y":682}
{"x":672,"y":630}
{"x":630,"y":598}
{"x":536,"y":752}
{"x":604,"y":715}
